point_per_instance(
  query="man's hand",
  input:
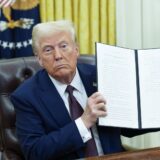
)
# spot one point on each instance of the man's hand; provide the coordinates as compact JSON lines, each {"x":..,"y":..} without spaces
{"x":96,"y":107}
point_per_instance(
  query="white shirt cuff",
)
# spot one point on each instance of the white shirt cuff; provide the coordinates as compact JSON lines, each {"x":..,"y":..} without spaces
{"x":84,"y":132}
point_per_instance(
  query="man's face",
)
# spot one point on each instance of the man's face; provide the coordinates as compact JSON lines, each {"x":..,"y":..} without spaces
{"x":58,"y":55}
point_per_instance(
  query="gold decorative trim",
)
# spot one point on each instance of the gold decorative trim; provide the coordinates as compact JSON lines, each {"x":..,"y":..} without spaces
{"x":25,"y":4}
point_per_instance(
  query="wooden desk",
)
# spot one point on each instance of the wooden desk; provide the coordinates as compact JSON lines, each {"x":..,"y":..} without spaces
{"x":147,"y":154}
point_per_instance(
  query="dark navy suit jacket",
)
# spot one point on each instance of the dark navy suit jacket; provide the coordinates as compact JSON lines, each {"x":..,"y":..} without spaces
{"x":44,"y":127}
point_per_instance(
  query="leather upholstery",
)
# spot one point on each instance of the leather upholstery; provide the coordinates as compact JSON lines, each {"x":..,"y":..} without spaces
{"x":12,"y":73}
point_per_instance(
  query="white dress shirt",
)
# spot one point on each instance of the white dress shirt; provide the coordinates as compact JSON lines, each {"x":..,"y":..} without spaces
{"x":81,"y":97}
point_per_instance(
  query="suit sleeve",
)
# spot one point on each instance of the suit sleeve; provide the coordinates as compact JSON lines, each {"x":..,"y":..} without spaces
{"x":35,"y":142}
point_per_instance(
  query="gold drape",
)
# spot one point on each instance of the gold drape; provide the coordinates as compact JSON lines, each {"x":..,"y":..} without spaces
{"x":94,"y":19}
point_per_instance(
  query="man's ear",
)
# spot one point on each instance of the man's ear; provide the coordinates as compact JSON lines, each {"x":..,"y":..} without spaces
{"x":77,"y":50}
{"x":39,"y":60}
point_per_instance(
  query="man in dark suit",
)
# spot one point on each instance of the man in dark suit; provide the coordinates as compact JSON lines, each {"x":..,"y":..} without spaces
{"x":45,"y":127}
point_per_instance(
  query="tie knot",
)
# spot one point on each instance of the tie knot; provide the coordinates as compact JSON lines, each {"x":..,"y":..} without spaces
{"x":70,"y":89}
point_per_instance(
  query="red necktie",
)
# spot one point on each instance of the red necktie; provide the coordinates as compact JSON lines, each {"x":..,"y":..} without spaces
{"x":76,"y":111}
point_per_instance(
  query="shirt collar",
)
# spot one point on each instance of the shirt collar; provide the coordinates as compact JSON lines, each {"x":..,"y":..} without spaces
{"x":76,"y":83}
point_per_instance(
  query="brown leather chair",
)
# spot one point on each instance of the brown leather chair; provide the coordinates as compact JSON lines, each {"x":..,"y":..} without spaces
{"x":12,"y":73}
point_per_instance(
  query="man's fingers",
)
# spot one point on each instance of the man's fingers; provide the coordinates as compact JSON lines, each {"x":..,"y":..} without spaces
{"x":101,"y":107}
{"x":99,"y":110}
{"x":98,"y":98}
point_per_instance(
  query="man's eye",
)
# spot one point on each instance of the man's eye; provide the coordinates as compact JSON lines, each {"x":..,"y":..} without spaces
{"x":48,"y":49}
{"x":64,"y":46}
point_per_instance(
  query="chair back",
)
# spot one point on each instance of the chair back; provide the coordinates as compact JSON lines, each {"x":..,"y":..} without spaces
{"x":14,"y":72}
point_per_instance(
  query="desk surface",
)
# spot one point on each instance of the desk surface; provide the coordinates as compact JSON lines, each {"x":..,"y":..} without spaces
{"x":147,"y":154}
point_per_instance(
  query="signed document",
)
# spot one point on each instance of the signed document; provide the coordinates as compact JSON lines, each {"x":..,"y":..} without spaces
{"x":130,"y":81}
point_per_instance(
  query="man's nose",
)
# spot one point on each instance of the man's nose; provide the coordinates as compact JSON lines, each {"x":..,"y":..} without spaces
{"x":58,"y":54}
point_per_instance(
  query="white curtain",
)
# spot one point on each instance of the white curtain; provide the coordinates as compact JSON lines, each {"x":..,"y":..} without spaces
{"x":138,"y":26}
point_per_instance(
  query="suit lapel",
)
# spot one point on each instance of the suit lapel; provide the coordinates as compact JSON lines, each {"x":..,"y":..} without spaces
{"x":50,"y":96}
{"x":52,"y":100}
{"x":88,"y":79}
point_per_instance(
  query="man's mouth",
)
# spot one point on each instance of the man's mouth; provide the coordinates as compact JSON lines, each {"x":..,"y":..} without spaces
{"x":61,"y":66}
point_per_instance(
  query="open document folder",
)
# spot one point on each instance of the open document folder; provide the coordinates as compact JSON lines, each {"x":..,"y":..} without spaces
{"x":130,"y":81}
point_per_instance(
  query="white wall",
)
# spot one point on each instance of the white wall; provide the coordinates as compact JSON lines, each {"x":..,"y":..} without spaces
{"x":138,"y":26}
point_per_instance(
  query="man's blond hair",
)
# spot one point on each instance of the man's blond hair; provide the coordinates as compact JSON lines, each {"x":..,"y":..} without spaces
{"x":48,"y":28}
